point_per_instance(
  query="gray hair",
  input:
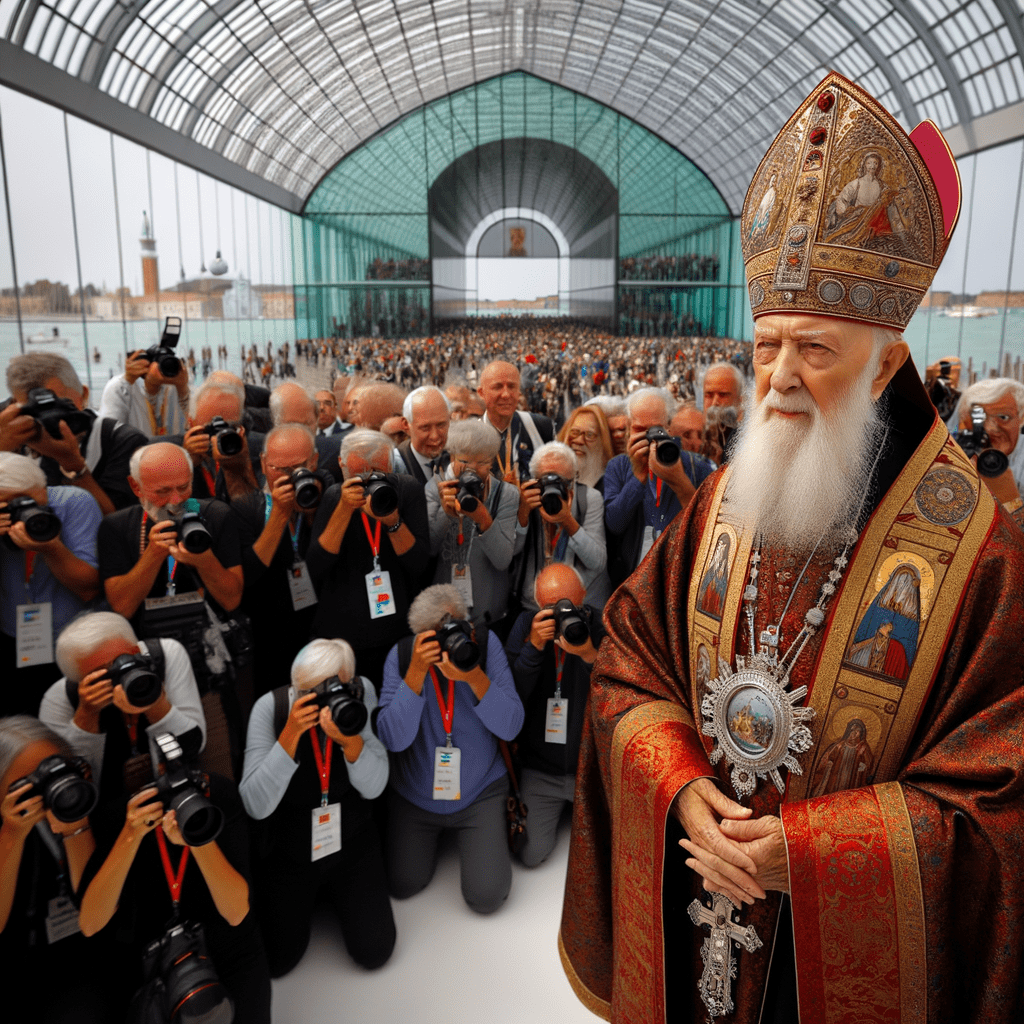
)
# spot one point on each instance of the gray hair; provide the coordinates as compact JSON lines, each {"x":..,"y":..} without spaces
{"x":565,"y":565}
{"x":474,"y":439}
{"x":414,"y":396}
{"x":20,"y":731}
{"x":990,"y":390}
{"x":610,"y":405}
{"x":367,"y":445}
{"x":737,"y":373}
{"x":289,"y":428}
{"x":559,"y":450}
{"x":20,"y":473}
{"x":135,"y":462}
{"x":84,"y":634}
{"x":432,"y":606}
{"x":34,"y":369}
{"x":641,"y":394}
{"x":321,"y":659}
{"x":219,"y":387}
{"x":277,"y":400}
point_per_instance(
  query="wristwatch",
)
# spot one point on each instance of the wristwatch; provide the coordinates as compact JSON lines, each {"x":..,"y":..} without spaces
{"x":395,"y":528}
{"x":74,"y":474}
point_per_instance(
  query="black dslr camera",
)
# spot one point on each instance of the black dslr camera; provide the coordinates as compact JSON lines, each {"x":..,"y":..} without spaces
{"x":942,"y":393}
{"x":41,"y":522}
{"x":183,"y":790}
{"x":229,"y":440}
{"x":666,"y":447}
{"x":456,"y":639}
{"x":163,"y":354}
{"x":193,"y":535}
{"x":136,"y":675}
{"x":471,"y":491}
{"x":381,"y":492}
{"x":571,"y":623}
{"x":65,"y":784}
{"x":49,"y":412}
{"x":553,"y":490}
{"x":345,"y":700}
{"x":975,"y":441}
{"x":309,"y":487}
{"x":181,"y":981}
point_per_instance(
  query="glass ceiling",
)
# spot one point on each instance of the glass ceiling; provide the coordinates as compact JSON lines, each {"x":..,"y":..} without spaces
{"x":287,"y":88}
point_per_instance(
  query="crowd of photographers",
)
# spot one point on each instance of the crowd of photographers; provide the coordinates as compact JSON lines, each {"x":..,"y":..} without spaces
{"x":264,"y":653}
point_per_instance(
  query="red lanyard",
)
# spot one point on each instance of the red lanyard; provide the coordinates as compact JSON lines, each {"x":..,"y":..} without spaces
{"x":211,"y":484}
{"x":30,"y":567}
{"x":447,"y":712}
{"x":559,"y":667}
{"x":374,"y":539}
{"x":323,"y":763}
{"x":173,"y":880}
{"x":657,"y":489}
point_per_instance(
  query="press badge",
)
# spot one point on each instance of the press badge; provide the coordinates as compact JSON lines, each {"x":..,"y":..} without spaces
{"x":447,"y":773}
{"x":462,"y":581}
{"x":33,"y":634}
{"x":381,"y":597}
{"x":61,"y":919}
{"x":326,"y":830}
{"x":301,"y":587}
{"x":556,"y":720}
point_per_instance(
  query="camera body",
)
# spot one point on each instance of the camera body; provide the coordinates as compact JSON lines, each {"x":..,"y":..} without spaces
{"x":666,"y":447}
{"x":49,"y":412}
{"x":571,"y":622}
{"x":41,"y":522}
{"x":163,"y":354}
{"x":182,"y":789}
{"x":229,"y":440}
{"x":553,"y":491}
{"x":309,"y":487}
{"x":346,"y":703}
{"x":136,"y":675}
{"x":975,"y":441}
{"x":456,"y":639}
{"x":471,"y":491}
{"x":192,"y":532}
{"x":66,"y":786}
{"x":382,"y":493}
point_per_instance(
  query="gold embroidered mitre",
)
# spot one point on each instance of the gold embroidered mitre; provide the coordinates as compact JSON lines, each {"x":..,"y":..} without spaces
{"x":847,"y":215}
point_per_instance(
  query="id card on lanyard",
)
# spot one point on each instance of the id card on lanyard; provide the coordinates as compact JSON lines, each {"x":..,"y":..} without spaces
{"x":557,"y":719}
{"x":300,"y":586}
{"x":33,"y":625}
{"x":325,"y":836}
{"x":447,"y":759}
{"x":379,"y":594}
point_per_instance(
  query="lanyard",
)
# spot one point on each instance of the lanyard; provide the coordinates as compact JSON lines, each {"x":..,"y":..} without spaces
{"x":657,"y":488}
{"x":374,"y":539}
{"x":294,"y":534}
{"x":30,"y":568}
{"x":211,"y":484}
{"x":447,"y":712}
{"x":173,"y":880}
{"x":172,"y":565}
{"x":559,"y":668}
{"x":159,"y":429}
{"x":323,"y":763}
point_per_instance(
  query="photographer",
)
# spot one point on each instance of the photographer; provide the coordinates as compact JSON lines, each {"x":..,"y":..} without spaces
{"x":446,"y":770}
{"x":474,"y":549}
{"x":368,"y":546}
{"x":44,"y":583}
{"x":643,"y":495}
{"x":289,"y":774}
{"x":93,"y":458}
{"x":41,"y":863}
{"x":96,"y":718}
{"x":573,"y":534}
{"x":146,"y":399}
{"x":552,"y":677}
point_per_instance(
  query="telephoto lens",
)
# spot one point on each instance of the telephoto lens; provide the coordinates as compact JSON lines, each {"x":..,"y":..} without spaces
{"x":49,"y":412}
{"x":381,"y":492}
{"x":182,"y":789}
{"x":229,"y":440}
{"x":553,"y":491}
{"x":992,"y":462}
{"x":191,"y":991}
{"x":346,"y":703}
{"x":308,"y":487}
{"x":471,"y":491}
{"x":456,"y":640}
{"x":134,"y":674}
{"x":571,"y":622}
{"x":65,"y":785}
{"x":41,"y":522}
{"x":666,"y":446}
{"x":192,"y":532}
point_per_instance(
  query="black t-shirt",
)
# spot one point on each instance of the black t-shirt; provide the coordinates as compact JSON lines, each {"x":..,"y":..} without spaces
{"x":203,"y":475}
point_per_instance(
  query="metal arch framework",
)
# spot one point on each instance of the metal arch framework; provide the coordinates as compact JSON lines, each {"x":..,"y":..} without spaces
{"x":283,"y":90}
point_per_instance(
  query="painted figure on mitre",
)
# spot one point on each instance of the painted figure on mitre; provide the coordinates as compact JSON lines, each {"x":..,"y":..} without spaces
{"x":887,"y":788}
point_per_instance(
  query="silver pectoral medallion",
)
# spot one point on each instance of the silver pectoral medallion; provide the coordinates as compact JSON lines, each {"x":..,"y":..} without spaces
{"x":719,"y":963}
{"x":755,"y":722}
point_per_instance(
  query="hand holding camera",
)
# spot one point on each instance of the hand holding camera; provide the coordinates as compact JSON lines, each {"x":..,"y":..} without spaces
{"x":145,"y":811}
{"x":529,"y":499}
{"x":95,"y":692}
{"x":28,"y":525}
{"x":304,"y":714}
{"x":542,"y":629}
{"x":282,"y":495}
{"x":62,"y":447}
{"x":22,"y":808}
{"x":426,"y":651}
{"x":136,"y":365}
{"x":16,"y":429}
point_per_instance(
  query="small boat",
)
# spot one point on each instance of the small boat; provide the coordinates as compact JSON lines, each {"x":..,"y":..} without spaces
{"x":968,"y":312}
{"x":47,"y":339}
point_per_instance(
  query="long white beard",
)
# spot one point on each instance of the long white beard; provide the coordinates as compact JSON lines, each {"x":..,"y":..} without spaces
{"x":161,"y":513}
{"x":797,"y":481}
{"x":591,"y":467}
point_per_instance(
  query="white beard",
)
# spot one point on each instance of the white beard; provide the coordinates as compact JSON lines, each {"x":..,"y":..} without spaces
{"x":796,"y":482}
{"x":591,"y":467}
{"x":162,"y":513}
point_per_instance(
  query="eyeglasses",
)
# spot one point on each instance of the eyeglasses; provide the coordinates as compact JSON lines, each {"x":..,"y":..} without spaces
{"x":589,"y":435}
{"x":285,"y":470}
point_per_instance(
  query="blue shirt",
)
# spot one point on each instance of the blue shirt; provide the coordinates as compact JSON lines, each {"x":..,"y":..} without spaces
{"x":80,"y":517}
{"x":411,"y":726}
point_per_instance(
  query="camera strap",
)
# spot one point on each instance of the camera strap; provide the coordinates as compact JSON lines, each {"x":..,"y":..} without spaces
{"x":174,"y":879}
{"x":172,"y":565}
{"x":373,"y":538}
{"x":559,"y":668}
{"x":211,"y":483}
{"x":293,"y":533}
{"x":447,"y":709}
{"x":323,"y":762}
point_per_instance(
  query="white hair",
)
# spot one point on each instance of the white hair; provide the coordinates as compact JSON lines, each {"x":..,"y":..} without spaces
{"x":20,"y":473}
{"x":367,"y":445}
{"x":473,"y":439}
{"x":84,"y":634}
{"x":641,"y":394}
{"x":290,"y":428}
{"x":737,"y":374}
{"x":277,"y":400}
{"x":135,"y":462}
{"x":555,"y":450}
{"x":20,"y":731}
{"x":34,"y":369}
{"x":610,"y":405}
{"x":983,"y":392}
{"x":219,"y":387}
{"x":422,"y":392}
{"x":433,"y":605}
{"x":321,"y":659}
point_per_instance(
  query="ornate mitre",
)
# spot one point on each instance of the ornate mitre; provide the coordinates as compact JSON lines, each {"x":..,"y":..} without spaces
{"x":847,"y":215}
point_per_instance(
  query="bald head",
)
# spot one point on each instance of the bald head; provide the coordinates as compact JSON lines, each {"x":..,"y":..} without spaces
{"x":160,"y":475}
{"x":558,"y":581}
{"x":292,"y":403}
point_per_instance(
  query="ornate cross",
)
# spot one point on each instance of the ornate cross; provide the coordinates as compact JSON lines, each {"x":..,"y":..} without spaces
{"x":719,"y":964}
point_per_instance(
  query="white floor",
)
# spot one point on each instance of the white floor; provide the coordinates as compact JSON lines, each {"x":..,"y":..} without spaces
{"x":449,"y":964}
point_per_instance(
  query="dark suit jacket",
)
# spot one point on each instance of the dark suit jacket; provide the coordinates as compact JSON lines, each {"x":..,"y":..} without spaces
{"x":328,"y":446}
{"x":524,"y":443}
{"x":413,"y":468}
{"x":337,"y":428}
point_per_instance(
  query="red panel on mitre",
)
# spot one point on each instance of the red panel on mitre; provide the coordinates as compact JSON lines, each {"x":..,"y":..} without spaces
{"x":934,"y":150}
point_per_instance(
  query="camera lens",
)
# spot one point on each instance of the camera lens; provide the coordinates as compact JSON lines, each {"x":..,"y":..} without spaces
{"x":41,"y":524}
{"x":992,"y":462}
{"x":71,"y":797}
{"x":229,"y":442}
{"x":193,"y":534}
{"x":461,"y":651}
{"x":308,"y":488}
{"x":170,"y":366}
{"x":200,"y":821}
{"x":383,"y":496}
{"x":348,"y":715}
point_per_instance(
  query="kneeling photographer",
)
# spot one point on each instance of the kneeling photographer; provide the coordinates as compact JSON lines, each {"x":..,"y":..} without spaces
{"x":446,"y":700}
{"x":175,"y":906}
{"x":45,"y":843}
{"x":117,"y":694}
{"x":318,"y":831}
{"x":551,"y":653}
